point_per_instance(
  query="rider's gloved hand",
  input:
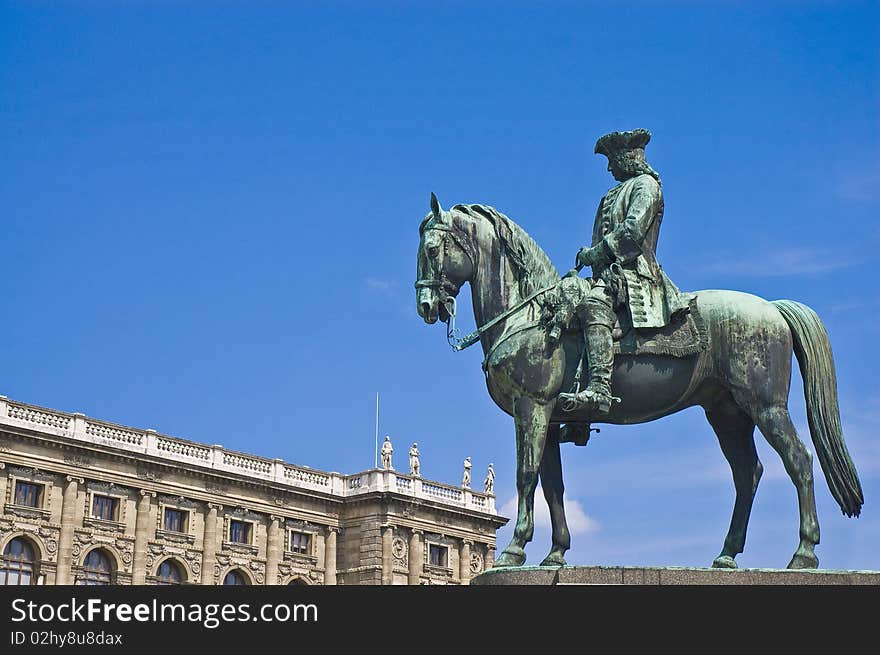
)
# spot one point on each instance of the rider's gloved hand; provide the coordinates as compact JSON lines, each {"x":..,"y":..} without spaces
{"x":592,"y":256}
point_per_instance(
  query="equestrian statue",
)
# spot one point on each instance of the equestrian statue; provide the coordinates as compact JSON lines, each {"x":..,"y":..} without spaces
{"x":644,"y":348}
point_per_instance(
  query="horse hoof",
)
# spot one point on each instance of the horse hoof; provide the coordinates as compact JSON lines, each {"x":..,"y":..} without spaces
{"x":554,"y":559}
{"x":803,"y":562}
{"x":724,"y":562}
{"x":510,"y":557}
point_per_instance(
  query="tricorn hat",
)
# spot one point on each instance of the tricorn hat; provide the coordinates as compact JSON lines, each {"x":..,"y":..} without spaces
{"x":616,"y":142}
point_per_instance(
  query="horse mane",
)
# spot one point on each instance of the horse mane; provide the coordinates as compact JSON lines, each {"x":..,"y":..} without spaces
{"x":535,"y":268}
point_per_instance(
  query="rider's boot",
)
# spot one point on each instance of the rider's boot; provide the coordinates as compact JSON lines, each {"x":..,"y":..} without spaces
{"x":600,"y":357}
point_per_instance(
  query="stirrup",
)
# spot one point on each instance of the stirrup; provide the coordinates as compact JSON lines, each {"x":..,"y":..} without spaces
{"x":598,"y":403}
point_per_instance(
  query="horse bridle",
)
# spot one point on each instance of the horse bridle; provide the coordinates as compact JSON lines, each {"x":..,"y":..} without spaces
{"x":446,"y":289}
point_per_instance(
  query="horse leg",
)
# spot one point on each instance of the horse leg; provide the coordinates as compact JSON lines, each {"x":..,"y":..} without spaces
{"x":551,"y":482}
{"x":776,"y":426}
{"x":735,"y":431}
{"x":532,"y":419}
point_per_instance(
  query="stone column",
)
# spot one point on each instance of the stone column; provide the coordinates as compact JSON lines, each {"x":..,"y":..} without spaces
{"x":209,"y":544}
{"x":464,"y":561}
{"x":387,"y":557}
{"x":489,"y":562}
{"x":330,"y":556}
{"x":69,"y":507}
{"x":141,"y":534}
{"x":4,"y":480}
{"x":416,"y":556}
{"x":273,"y":549}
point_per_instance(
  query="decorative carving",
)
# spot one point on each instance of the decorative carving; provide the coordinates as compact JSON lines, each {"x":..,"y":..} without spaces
{"x":259,"y":570}
{"x":31,"y":473}
{"x":194,"y":558}
{"x":175,"y":537}
{"x":476,"y":563}
{"x":398,"y":549}
{"x":105,"y":487}
{"x":148,"y":473}
{"x":76,"y":459}
{"x":241,"y":549}
{"x":103,"y":526}
{"x":215,"y":488}
{"x":301,"y":526}
{"x":178,"y":501}
{"x":33,"y":513}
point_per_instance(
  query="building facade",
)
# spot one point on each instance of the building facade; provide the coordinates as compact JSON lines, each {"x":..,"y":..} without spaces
{"x":90,"y":502}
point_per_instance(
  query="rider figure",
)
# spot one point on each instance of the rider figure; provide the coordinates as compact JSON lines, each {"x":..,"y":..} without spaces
{"x":625,"y":270}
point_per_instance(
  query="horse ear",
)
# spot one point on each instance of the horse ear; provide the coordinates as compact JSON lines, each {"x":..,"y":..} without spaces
{"x":435,"y":207}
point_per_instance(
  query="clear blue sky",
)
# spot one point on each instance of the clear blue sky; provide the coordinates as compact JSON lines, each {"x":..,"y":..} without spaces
{"x":210,"y":211}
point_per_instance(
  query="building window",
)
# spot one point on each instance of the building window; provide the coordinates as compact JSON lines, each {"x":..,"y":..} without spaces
{"x":105,"y":507}
{"x":19,"y":564}
{"x":438,"y":555}
{"x":97,"y":569}
{"x":239,"y":532}
{"x":235,"y":578}
{"x":300,"y":542}
{"x":175,"y":520}
{"x":169,"y":573}
{"x":28,"y":494}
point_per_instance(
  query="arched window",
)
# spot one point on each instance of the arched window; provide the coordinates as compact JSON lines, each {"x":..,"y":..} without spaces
{"x":235,"y":578}
{"x":19,"y":564}
{"x":97,"y":569}
{"x":169,"y":573}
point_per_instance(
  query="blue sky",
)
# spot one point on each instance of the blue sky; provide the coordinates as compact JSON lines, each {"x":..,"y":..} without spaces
{"x":210,"y":217}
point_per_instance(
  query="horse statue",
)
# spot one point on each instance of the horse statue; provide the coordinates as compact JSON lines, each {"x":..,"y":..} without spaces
{"x":741,"y":377}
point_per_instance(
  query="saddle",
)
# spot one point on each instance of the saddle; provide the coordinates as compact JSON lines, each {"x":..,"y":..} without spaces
{"x":685,"y":335}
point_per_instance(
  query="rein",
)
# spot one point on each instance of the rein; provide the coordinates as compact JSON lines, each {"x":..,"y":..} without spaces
{"x":459,"y":344}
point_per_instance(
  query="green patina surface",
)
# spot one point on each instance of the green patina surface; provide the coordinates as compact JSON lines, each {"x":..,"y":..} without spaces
{"x":726,"y":351}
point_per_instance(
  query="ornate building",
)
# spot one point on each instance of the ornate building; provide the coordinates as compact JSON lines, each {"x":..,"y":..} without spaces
{"x":90,"y":502}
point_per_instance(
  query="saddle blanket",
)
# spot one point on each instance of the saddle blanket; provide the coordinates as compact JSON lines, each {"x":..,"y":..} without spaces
{"x":683,"y":337}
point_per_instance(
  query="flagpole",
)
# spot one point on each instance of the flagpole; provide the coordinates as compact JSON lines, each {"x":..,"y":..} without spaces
{"x":376,"y":449}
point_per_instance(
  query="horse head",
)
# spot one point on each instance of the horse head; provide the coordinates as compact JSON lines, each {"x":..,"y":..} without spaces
{"x":444,"y":264}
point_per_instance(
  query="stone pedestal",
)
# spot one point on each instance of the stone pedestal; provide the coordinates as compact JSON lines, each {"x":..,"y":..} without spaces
{"x":635,"y":575}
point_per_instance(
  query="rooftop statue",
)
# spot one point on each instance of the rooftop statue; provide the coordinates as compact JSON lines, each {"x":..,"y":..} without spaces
{"x":646,"y":349}
{"x":386,"y":452}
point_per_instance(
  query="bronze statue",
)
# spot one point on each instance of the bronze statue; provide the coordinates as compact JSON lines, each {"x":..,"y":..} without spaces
{"x":728,"y":352}
{"x":625,"y":269}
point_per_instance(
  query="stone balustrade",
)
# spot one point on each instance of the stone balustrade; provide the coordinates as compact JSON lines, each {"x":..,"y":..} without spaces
{"x":80,"y":428}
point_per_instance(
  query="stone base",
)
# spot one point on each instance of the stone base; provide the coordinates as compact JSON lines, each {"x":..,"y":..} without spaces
{"x":637,"y":575}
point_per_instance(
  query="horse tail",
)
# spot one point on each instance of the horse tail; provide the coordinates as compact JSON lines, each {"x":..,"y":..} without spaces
{"x":813,"y":351}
